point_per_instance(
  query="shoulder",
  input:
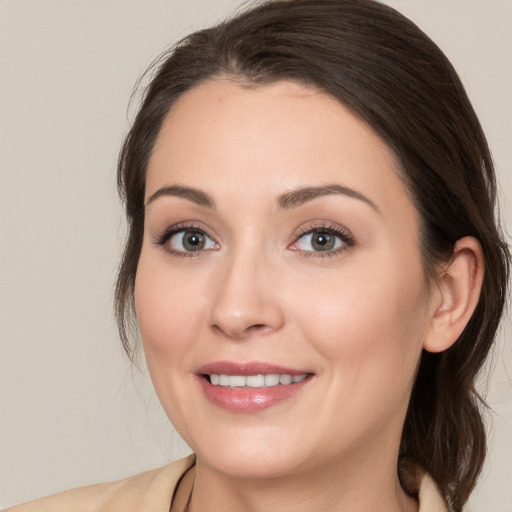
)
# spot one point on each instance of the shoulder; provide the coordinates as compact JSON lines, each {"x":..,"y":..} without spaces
{"x":416,"y":482}
{"x":430,"y":497}
{"x":151,"y":491}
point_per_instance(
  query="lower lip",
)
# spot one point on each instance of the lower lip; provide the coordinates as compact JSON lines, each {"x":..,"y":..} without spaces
{"x":250,"y":399}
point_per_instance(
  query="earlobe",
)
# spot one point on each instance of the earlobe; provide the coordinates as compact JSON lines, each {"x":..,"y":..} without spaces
{"x":459,"y":287}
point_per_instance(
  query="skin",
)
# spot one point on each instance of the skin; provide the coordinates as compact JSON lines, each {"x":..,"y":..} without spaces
{"x":356,"y":318}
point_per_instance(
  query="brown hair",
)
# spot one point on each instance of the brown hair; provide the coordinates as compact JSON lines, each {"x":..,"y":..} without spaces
{"x":391,"y":75}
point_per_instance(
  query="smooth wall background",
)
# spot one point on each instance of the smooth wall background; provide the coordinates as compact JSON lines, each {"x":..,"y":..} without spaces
{"x":72,"y":409}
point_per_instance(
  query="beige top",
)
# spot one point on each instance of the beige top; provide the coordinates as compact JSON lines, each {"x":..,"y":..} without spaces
{"x":155,"y":490}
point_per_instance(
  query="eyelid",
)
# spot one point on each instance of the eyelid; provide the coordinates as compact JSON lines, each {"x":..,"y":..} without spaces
{"x":341,"y":232}
{"x":163,"y":237}
{"x":327,"y":227}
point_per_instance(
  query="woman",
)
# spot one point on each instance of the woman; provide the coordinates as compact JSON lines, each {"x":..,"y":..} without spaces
{"x":314,"y":265}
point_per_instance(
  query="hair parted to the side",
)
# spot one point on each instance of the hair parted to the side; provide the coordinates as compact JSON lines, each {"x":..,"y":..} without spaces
{"x":391,"y":75}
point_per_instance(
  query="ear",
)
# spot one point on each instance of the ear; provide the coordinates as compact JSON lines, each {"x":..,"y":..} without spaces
{"x":459,"y":286}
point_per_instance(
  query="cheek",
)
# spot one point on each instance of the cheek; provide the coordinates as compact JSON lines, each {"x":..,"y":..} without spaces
{"x":369,"y":324}
{"x":168,"y":307}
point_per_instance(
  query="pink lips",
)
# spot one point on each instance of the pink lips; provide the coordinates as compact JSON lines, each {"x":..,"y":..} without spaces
{"x":248,"y":399}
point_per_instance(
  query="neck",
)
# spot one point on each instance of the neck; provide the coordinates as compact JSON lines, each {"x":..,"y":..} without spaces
{"x":370,"y":487}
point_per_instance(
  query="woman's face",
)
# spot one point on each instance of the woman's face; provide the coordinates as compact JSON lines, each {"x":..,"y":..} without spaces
{"x":280,"y":245}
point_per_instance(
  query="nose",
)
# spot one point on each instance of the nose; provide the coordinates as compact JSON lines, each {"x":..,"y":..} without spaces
{"x":246,"y":300}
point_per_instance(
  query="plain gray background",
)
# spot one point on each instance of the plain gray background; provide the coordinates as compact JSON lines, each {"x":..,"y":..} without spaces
{"x":72,"y":410}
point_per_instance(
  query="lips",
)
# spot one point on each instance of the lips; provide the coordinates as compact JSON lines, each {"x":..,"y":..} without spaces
{"x":250,"y":387}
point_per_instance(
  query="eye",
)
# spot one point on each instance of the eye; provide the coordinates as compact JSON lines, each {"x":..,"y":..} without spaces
{"x":322,"y":240}
{"x":183,"y":240}
{"x":190,"y":241}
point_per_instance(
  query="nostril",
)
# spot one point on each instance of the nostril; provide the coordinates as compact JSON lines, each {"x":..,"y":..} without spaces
{"x":239,"y":331}
{"x":261,"y":328}
{"x":239,"y":316}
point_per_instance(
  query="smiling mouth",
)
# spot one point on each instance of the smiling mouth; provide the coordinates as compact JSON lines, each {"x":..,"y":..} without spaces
{"x":254,"y":381}
{"x":252,"y":386}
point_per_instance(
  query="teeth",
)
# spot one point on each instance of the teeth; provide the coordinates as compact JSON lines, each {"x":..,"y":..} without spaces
{"x":254,"y":381}
{"x":236,"y":381}
{"x":285,"y":379}
{"x":271,"y":380}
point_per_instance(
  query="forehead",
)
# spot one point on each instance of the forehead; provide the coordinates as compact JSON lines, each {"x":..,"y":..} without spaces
{"x":269,"y":139}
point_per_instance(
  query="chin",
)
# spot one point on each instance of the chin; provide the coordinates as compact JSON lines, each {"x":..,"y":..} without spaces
{"x":253,"y":457}
{"x":252,"y":466}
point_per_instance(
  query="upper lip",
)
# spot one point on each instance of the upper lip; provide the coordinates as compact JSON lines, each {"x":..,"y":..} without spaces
{"x":247,"y":368}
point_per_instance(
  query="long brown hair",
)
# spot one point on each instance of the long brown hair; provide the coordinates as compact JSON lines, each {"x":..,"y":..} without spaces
{"x":391,"y":75}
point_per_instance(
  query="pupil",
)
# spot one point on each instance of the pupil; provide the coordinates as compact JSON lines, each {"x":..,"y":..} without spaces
{"x":323,"y":241}
{"x":193,"y":241}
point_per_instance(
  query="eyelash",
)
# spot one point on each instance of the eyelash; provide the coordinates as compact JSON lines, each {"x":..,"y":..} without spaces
{"x":164,"y":237}
{"x":344,"y":235}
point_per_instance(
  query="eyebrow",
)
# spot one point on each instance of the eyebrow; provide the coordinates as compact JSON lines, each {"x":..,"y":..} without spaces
{"x":192,"y":194}
{"x":292,"y":199}
{"x":303,"y":195}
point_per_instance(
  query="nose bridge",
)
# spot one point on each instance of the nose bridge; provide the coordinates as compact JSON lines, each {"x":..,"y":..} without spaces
{"x":245,"y":300}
